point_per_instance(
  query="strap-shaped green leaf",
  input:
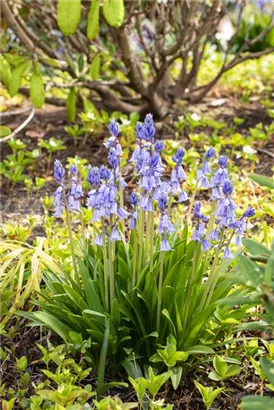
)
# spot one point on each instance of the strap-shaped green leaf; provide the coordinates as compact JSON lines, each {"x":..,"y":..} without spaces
{"x":16,"y":77}
{"x":68,"y":15}
{"x":5,"y":71}
{"x":262,"y":180}
{"x":94,"y":70}
{"x":114,"y":12}
{"x":93,"y":20}
{"x":71,"y":105}
{"x":37,"y":90}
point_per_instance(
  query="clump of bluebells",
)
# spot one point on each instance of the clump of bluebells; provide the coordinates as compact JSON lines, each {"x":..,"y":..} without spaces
{"x":145,"y":271}
{"x":154,"y":195}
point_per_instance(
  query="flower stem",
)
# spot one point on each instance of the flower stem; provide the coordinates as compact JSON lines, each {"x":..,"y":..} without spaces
{"x":111,"y":270}
{"x":192,"y":203}
{"x":212,"y":277}
{"x":160,"y":286}
{"x":141,"y":239}
{"x":83,"y":231}
{"x":212,"y":217}
{"x":189,"y":286}
{"x":151,"y":242}
{"x":135,"y":248}
{"x":68,"y":219}
{"x":105,"y":265}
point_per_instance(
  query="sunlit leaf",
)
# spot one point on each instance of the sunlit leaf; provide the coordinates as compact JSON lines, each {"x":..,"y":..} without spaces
{"x":93,"y":20}
{"x":68,"y":15}
{"x":114,"y":11}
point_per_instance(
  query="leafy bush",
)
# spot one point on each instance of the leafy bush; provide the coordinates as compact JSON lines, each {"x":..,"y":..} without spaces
{"x":145,"y":294}
{"x":150,"y":55}
{"x":255,"y":25}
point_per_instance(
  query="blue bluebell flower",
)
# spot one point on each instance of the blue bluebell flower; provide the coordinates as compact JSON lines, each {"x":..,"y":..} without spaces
{"x":214,"y":235}
{"x":205,"y":245}
{"x":114,"y":236}
{"x":133,"y":198}
{"x":76,"y":191}
{"x":210,"y":153}
{"x":227,"y":253}
{"x":59,"y":171}
{"x":105,"y":173}
{"x":197,"y":212}
{"x":249,"y":212}
{"x":114,"y":128}
{"x":202,"y":173}
{"x":165,"y":226}
{"x":94,"y":177}
{"x":226,"y":206}
{"x":113,"y":158}
{"x":58,"y":203}
{"x":132,"y":221}
{"x":73,"y":170}
{"x":219,"y":178}
{"x":165,"y":247}
{"x":159,"y":146}
{"x":98,"y":240}
{"x":178,"y":175}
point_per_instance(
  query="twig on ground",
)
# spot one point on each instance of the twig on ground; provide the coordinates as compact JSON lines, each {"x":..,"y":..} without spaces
{"x":21,"y":127}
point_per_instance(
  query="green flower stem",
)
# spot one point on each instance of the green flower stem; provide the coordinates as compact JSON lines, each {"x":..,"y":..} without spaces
{"x":160,"y":286}
{"x":68,"y":220}
{"x":111,"y":261}
{"x":121,"y":195}
{"x":151,"y":241}
{"x":169,"y":206}
{"x":83,"y":231}
{"x":212,"y":277}
{"x":212,"y":217}
{"x":105,"y":265}
{"x":141,"y":239}
{"x":192,"y":203}
{"x":135,"y":250}
{"x":189,"y":286}
{"x":147,"y":235}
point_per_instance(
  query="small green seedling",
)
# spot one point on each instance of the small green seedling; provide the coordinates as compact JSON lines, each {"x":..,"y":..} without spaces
{"x":222,"y":370}
{"x":208,"y":393}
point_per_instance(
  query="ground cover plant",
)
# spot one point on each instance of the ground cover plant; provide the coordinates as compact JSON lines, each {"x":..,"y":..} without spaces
{"x":116,"y":292}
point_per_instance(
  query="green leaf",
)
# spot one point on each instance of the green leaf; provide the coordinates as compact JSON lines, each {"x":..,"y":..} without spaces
{"x":255,"y":248}
{"x":5,"y":71}
{"x":262,"y":180}
{"x":4,"y":131}
{"x":114,"y":11}
{"x":268,"y":369}
{"x":257,"y":403}
{"x":16,"y":77}
{"x":269,"y":271}
{"x":103,"y":355}
{"x":176,"y":376}
{"x":208,"y":393}
{"x":200,"y":349}
{"x":37,"y":90}
{"x":56,"y":325}
{"x":250,"y":270}
{"x":71,"y":105}
{"x":22,"y":363}
{"x":94,"y":70}
{"x":220,"y":365}
{"x":68,"y":15}
{"x":93,"y":20}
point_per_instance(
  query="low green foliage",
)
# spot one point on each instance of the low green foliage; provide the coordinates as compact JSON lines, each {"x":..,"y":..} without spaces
{"x":209,"y":394}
